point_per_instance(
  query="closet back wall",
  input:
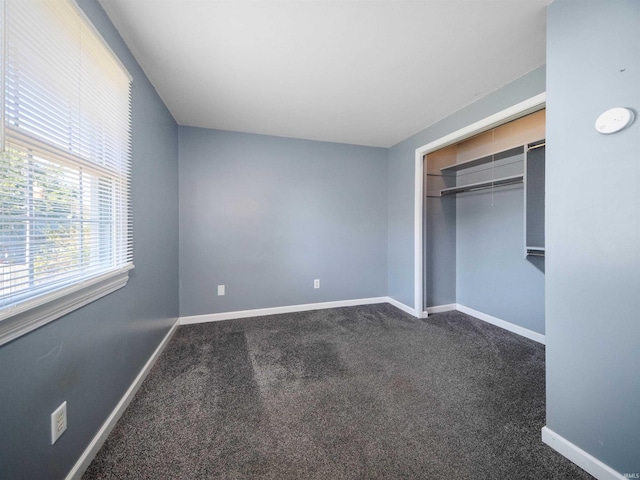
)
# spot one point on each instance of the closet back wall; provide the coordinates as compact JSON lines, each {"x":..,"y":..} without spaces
{"x":492,"y":275}
{"x":265,"y":216}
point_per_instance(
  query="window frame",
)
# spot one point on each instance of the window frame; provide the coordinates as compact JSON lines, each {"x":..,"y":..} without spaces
{"x":31,"y":313}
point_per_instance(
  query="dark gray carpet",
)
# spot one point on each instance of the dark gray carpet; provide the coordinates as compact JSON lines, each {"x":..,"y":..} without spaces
{"x":350,"y":393}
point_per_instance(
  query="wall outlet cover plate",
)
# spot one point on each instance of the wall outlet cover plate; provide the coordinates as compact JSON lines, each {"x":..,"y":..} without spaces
{"x":58,"y":422}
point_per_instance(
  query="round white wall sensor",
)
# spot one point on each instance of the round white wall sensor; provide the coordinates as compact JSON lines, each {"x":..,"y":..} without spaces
{"x":614,"y":120}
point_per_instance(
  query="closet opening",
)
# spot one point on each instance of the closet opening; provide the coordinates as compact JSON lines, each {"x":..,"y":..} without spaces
{"x":482,"y":222}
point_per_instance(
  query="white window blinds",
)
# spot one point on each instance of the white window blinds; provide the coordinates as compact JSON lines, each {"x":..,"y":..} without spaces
{"x":66,"y":154}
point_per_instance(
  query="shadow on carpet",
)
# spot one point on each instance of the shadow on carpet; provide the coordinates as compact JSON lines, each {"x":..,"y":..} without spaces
{"x":348,"y":393}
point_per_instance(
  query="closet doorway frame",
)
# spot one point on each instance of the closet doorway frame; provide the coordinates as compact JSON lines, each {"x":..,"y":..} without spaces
{"x":530,"y":105}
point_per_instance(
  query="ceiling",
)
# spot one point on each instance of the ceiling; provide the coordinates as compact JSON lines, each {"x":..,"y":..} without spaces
{"x":359,"y":72}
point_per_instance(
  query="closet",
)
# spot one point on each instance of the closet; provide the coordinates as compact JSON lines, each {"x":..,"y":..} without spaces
{"x":484,"y":223}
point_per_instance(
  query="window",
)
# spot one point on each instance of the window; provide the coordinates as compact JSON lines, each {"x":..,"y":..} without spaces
{"x":65,"y":223}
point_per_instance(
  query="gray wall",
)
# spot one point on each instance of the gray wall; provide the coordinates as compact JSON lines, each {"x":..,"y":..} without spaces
{"x":593,"y":230}
{"x":265,"y":216}
{"x":401,"y":165}
{"x":90,"y":357}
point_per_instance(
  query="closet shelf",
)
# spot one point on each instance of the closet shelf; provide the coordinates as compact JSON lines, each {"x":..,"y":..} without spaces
{"x":535,"y":251}
{"x":498,"y":182}
{"x":482,"y":160}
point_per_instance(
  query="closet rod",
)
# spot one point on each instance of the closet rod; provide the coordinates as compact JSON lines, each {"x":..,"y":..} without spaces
{"x":537,"y":146}
{"x":483,"y":185}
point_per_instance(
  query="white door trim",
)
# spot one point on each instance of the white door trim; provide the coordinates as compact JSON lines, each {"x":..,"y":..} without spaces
{"x":527,"y":106}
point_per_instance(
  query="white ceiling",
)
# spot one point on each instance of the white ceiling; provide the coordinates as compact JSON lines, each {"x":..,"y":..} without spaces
{"x":359,"y":72}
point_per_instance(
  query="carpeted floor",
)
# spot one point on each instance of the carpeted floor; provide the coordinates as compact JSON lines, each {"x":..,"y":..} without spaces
{"x":349,"y":393}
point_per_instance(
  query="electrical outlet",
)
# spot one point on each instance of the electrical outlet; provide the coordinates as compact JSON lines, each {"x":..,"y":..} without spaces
{"x":316,"y":283}
{"x":58,"y":422}
{"x":220,"y":290}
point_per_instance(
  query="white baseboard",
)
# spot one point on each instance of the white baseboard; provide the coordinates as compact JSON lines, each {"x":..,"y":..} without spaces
{"x":581,"y":458}
{"x":259,"y":312}
{"x":98,"y":440}
{"x":441,"y":308}
{"x":402,"y":306}
{"x":525,"y":332}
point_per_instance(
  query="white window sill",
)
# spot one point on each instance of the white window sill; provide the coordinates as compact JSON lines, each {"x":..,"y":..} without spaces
{"x":32,"y":314}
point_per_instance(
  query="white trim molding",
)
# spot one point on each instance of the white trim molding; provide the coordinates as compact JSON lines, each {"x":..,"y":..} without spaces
{"x":403,"y":307}
{"x":98,"y":440}
{"x":418,"y":232}
{"x":529,"y":105}
{"x":440,"y":308}
{"x":260,"y":312}
{"x":512,"y":327}
{"x":584,"y":460}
